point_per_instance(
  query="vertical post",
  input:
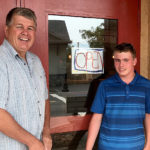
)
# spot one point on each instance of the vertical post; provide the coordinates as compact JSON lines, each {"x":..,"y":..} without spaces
{"x":65,"y":86}
{"x":18,"y":3}
{"x":22,"y":3}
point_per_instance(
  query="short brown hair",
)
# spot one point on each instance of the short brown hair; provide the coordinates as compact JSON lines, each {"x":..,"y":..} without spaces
{"x":125,"y":47}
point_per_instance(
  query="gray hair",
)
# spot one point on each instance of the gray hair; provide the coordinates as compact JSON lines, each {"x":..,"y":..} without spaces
{"x":21,"y":11}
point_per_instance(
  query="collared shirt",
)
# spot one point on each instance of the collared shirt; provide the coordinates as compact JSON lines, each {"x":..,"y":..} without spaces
{"x":123,"y":107}
{"x":23,"y":92}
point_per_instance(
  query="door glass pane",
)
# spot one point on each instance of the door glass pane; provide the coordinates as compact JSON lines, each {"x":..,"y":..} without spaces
{"x":80,"y":56}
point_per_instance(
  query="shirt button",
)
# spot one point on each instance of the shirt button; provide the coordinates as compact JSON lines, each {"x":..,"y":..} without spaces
{"x":40,"y":115}
{"x":38,"y":101}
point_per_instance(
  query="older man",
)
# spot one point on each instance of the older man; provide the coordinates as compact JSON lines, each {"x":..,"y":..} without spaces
{"x":24,"y":104}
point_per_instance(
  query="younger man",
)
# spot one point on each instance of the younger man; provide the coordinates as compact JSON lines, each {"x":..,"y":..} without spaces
{"x":121,"y":105}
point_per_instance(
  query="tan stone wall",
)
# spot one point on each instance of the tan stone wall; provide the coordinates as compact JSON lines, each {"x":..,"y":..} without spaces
{"x":145,"y":39}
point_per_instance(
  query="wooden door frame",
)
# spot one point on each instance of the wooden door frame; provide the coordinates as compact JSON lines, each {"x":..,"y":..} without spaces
{"x":125,"y":27}
{"x":126,"y":11}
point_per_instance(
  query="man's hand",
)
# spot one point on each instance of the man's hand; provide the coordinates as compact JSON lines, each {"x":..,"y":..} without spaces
{"x":146,"y":147}
{"x":47,"y":141}
{"x":38,"y":145}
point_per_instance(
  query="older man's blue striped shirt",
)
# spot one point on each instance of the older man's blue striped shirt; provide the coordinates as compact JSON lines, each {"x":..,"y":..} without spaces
{"x":123,"y":107}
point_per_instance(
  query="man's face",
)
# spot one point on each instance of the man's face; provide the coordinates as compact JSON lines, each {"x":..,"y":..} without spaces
{"x":21,"y":33}
{"x":124,"y":64}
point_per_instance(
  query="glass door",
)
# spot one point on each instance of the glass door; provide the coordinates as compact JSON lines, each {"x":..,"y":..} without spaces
{"x":80,"y":53}
{"x":80,"y":57}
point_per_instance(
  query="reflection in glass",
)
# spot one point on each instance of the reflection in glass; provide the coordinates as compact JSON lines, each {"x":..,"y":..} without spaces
{"x":70,"y":93}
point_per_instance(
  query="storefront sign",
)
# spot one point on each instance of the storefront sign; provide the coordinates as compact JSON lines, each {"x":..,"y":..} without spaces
{"x":87,"y":61}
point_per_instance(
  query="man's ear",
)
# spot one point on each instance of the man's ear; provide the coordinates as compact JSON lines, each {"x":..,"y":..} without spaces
{"x":135,"y":61}
{"x":6,"y":30}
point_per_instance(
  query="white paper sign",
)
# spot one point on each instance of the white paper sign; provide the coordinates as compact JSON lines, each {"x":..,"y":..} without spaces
{"x":87,"y":61}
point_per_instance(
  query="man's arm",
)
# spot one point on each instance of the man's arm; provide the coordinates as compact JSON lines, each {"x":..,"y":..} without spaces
{"x":147,"y":131}
{"x":93,"y":130}
{"x":11,"y":128}
{"x":47,"y":140}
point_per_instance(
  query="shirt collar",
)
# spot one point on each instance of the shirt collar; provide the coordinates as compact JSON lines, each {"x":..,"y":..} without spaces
{"x":118,"y":79}
{"x":10,"y":49}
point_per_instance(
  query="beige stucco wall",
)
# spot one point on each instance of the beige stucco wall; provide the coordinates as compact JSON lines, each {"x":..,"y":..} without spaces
{"x":145,"y":39}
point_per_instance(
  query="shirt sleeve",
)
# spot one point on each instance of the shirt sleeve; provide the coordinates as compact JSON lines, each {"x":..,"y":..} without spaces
{"x":45,"y":89}
{"x":3,"y":86}
{"x":99,"y":100}
{"x":45,"y":94}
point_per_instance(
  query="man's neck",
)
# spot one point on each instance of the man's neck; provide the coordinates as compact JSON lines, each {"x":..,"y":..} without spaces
{"x":128,"y":79}
{"x":22,"y":55}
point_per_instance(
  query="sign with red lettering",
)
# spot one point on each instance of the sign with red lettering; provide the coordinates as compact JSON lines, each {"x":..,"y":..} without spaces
{"x":87,"y":61}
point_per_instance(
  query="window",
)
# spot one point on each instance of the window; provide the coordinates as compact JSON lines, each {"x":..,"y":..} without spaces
{"x":70,"y":93}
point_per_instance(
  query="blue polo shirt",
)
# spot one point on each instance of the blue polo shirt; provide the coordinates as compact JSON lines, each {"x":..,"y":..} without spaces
{"x":123,"y":107}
